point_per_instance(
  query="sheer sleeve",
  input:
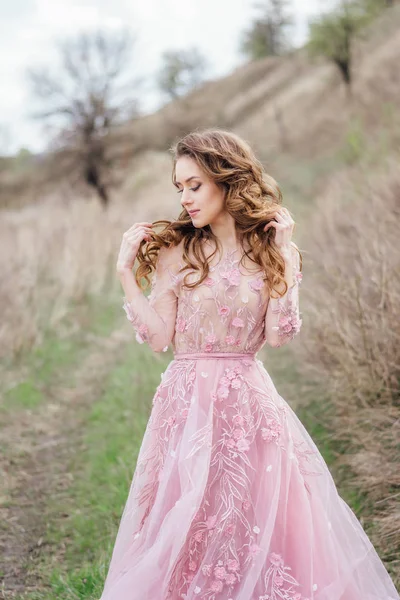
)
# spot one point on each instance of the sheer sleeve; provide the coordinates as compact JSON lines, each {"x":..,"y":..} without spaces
{"x":153,"y":317}
{"x":282,"y":319}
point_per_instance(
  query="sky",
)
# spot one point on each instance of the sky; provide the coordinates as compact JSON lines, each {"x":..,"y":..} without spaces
{"x":30,"y":28}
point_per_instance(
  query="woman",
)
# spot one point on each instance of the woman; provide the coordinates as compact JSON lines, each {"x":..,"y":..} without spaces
{"x":231,"y":498}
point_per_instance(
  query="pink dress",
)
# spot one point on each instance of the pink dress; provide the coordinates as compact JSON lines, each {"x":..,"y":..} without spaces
{"x":231,"y":499}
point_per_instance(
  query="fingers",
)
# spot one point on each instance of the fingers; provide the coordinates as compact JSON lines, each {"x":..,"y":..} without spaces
{"x":283,"y":219}
{"x":139,"y":235}
{"x":279,"y":224}
{"x":141,"y":230}
{"x":137,"y":230}
{"x":131,"y":241}
{"x":282,"y":215}
{"x":268,"y":225}
{"x":137,"y":226}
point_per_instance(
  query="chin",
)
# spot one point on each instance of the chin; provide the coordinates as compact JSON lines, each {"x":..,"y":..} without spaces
{"x":199,"y":223}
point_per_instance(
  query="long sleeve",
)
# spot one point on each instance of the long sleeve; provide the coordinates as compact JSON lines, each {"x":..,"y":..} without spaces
{"x":282,"y":319}
{"x":153,"y":317}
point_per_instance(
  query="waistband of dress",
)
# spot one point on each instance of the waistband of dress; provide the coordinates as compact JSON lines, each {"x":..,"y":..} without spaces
{"x":214,"y":355}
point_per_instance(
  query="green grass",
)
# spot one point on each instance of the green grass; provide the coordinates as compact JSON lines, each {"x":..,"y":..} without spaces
{"x":57,"y":357}
{"x":315,"y":417}
{"x":103,"y":472}
{"x":24,"y":395}
{"x":44,"y":364}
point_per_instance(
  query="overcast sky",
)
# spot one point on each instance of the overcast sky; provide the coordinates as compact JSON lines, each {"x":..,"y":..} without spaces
{"x":30,"y":27}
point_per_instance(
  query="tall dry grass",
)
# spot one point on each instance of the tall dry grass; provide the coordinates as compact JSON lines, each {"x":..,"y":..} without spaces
{"x":50,"y":256}
{"x":56,"y":252}
{"x":353,"y":332}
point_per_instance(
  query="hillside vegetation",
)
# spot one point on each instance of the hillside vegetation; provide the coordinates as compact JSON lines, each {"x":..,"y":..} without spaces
{"x":69,"y":356}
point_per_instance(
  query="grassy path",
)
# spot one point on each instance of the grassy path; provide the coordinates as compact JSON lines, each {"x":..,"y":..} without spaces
{"x":44,"y":401}
{"x":103,"y":470}
{"x":71,"y":453}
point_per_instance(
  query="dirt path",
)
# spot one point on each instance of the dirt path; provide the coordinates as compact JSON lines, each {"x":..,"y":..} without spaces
{"x":39,"y":445}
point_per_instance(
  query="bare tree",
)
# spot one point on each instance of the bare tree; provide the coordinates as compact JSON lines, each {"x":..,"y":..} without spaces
{"x":181,"y":71}
{"x":332,"y":35}
{"x":88,"y":95}
{"x":267,"y":36}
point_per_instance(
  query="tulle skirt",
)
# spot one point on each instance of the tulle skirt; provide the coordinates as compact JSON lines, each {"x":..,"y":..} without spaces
{"x":232,"y":500}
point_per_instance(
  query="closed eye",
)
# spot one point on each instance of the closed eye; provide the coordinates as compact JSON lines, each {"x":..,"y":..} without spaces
{"x":191,"y":189}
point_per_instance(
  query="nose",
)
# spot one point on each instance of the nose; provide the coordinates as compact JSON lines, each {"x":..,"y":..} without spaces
{"x":185,"y":200}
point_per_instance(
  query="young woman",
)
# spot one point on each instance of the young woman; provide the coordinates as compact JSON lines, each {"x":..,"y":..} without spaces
{"x":231,"y":499}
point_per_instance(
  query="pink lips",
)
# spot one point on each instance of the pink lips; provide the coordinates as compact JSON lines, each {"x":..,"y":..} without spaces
{"x":193,"y":212}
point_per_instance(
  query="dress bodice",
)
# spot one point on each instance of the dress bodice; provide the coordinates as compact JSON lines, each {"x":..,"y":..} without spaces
{"x":230,"y":311}
{"x":225,"y":313}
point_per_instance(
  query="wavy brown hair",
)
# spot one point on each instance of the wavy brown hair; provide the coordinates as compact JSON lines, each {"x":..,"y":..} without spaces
{"x":251,"y":197}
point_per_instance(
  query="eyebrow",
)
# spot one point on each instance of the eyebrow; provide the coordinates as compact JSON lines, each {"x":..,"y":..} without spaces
{"x":187,"y":180}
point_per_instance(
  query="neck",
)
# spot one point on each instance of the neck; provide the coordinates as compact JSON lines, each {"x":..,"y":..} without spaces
{"x":225,"y":231}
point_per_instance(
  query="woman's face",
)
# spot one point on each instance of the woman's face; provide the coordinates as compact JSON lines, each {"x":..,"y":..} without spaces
{"x":199,"y":193}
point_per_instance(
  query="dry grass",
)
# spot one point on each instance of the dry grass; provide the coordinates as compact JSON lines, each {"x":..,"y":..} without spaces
{"x":55,"y":253}
{"x":50,"y":256}
{"x":354,"y":332}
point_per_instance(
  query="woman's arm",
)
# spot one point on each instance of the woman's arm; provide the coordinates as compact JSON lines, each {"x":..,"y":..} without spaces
{"x":282,"y":319}
{"x":152,"y":317}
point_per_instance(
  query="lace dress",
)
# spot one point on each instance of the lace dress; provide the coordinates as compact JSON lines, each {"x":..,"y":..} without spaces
{"x":231,"y":499}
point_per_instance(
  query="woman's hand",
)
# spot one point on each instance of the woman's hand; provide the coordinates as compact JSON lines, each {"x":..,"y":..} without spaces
{"x":131,"y":241}
{"x":284,"y":226}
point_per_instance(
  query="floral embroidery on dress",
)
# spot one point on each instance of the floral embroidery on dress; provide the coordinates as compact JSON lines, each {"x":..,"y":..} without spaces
{"x":256,"y":284}
{"x":303,"y":454}
{"x":217,"y":316}
{"x":283,"y":314}
{"x":232,"y":276}
{"x":272,"y":431}
{"x":228,"y":527}
{"x":232,"y":378}
{"x":242,"y":411}
{"x":181,"y":325}
{"x":279,"y":583}
{"x":289,"y":324}
{"x":224,"y":310}
{"x":142,"y":330}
